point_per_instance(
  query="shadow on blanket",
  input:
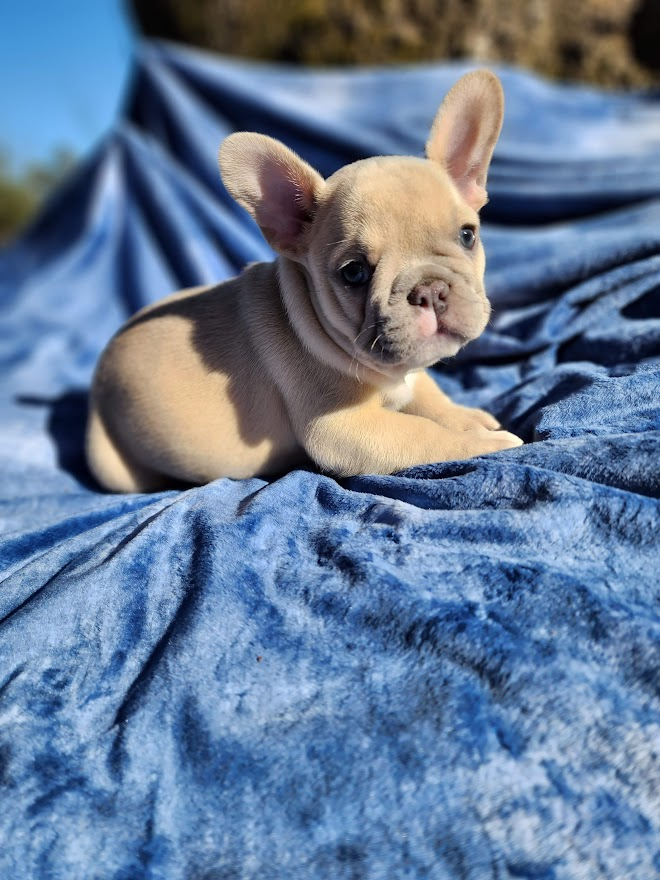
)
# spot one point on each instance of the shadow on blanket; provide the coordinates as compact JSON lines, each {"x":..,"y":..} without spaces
{"x":67,"y":420}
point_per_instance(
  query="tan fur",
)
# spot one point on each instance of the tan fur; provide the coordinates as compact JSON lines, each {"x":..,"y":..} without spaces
{"x":289,"y":364}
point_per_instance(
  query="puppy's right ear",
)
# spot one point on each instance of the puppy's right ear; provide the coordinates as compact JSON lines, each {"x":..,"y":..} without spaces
{"x":278,"y":189}
{"x":465,"y":131}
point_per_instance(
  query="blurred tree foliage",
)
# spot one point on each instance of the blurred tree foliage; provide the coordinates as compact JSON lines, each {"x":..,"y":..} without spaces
{"x":608,"y":42}
{"x":22,"y":192}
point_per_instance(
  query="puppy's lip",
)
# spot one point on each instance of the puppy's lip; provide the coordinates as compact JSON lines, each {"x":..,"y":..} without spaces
{"x":445,"y":342}
{"x":387,"y":349}
{"x":455,"y":335}
{"x":383,"y":349}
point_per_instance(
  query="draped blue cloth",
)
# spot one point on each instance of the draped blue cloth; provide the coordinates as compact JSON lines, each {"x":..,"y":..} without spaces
{"x":448,"y":673}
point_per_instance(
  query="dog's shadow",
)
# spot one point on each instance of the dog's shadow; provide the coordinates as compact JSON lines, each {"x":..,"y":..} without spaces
{"x":66,"y":423}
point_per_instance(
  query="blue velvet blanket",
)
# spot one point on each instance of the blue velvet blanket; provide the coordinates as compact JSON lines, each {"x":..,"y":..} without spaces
{"x":449,"y":673}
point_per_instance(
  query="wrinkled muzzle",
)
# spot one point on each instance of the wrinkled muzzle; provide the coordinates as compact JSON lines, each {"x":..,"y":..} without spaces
{"x":431,"y":312}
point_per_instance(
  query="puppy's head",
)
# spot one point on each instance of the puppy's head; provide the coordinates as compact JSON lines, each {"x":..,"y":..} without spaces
{"x":390,"y":245}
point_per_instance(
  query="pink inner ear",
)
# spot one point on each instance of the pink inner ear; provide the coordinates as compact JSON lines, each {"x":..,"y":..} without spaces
{"x":462,"y":142}
{"x":464,"y":134}
{"x":286,"y":204}
{"x":474,"y":194}
{"x":465,"y":159}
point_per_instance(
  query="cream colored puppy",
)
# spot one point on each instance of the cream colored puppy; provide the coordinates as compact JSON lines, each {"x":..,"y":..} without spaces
{"x":318,"y":357}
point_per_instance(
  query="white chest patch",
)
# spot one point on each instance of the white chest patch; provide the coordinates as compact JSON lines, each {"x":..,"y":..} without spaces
{"x":398,"y":396}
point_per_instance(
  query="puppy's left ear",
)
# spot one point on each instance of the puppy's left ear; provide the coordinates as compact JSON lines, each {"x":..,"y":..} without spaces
{"x":465,"y":131}
{"x":275,"y":185}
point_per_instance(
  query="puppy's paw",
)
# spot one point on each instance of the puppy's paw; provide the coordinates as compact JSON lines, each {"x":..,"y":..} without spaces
{"x":467,"y":418}
{"x":484,"y":440}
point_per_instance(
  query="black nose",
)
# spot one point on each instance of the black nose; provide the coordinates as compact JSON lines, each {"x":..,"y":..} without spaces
{"x":430,"y":295}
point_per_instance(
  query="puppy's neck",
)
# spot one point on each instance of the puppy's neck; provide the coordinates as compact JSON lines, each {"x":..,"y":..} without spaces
{"x":308,"y":327}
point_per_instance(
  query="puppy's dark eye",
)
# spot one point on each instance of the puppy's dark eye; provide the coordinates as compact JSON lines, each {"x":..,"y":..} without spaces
{"x":355,"y":273}
{"x":468,"y":236}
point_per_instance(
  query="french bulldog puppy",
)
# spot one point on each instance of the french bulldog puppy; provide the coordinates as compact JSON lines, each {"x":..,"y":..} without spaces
{"x":319,"y":357}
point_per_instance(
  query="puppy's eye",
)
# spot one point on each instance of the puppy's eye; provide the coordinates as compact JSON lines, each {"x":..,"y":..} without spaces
{"x":468,"y":236}
{"x":355,"y":273}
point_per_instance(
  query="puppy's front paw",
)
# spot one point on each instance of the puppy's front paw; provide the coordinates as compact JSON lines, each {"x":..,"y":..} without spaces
{"x":467,"y":418}
{"x":484,"y":440}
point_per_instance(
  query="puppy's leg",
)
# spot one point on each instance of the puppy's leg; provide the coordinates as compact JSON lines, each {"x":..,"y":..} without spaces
{"x":431,"y":403}
{"x":110,"y":468}
{"x":370,"y":439}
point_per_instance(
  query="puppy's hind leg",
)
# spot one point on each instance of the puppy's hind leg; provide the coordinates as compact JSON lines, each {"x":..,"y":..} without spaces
{"x":110,"y":468}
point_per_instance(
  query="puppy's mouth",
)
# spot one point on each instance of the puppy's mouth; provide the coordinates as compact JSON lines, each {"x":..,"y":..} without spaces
{"x":443,"y":330}
{"x":393,"y":347}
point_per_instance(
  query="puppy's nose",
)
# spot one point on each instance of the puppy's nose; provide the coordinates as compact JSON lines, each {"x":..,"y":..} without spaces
{"x":430,"y":295}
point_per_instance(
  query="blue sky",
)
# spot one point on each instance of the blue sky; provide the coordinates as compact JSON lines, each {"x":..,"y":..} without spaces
{"x":63,"y":67}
